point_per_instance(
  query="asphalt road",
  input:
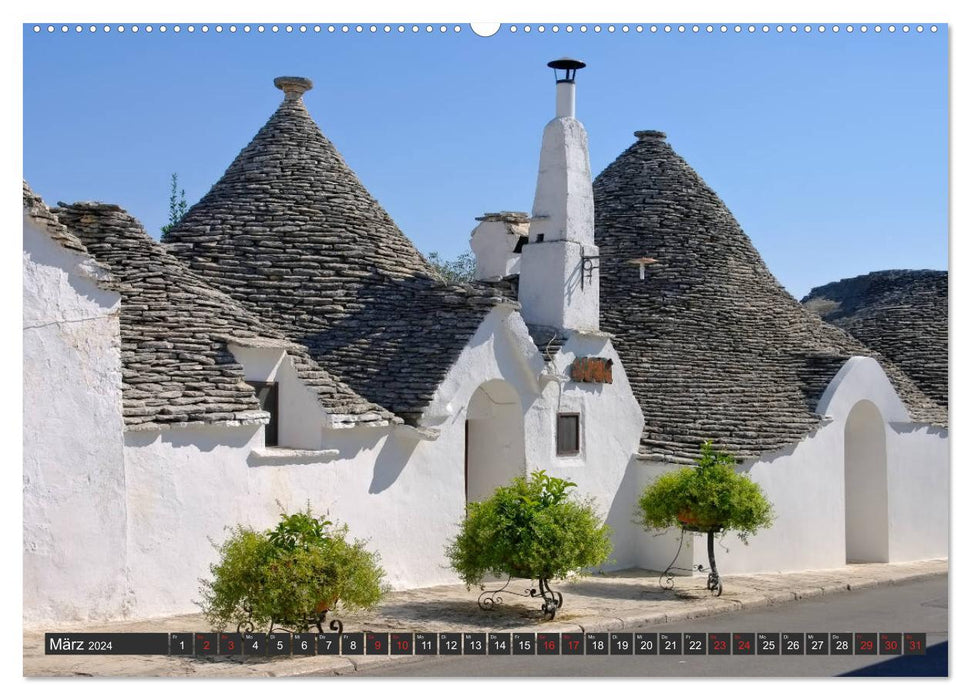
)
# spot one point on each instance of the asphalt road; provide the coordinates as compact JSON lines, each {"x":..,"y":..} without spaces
{"x":920,"y":606}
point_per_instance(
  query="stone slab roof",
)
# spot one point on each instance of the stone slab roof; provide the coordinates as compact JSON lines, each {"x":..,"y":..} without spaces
{"x":900,"y":313}
{"x":176,"y":368}
{"x":36,"y":209}
{"x":291,"y":234}
{"x":713,"y":345}
{"x":509,"y":217}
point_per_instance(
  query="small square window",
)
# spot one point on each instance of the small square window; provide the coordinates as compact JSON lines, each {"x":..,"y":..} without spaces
{"x":568,"y":433}
{"x":267,"y":395}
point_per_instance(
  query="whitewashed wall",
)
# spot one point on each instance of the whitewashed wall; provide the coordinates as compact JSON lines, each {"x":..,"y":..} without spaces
{"x":918,"y":461}
{"x":74,"y":481}
{"x":402,"y":492}
{"x":610,"y":429}
{"x":919,"y":467}
{"x":806,"y":485}
{"x":402,"y":489}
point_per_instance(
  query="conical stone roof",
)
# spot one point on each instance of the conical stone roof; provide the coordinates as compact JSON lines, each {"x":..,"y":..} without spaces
{"x":900,"y":313}
{"x":290,"y":232}
{"x":715,"y":348}
{"x":176,"y":367}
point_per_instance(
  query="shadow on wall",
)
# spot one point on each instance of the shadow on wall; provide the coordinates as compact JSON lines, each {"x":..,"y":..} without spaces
{"x":589,"y":388}
{"x":745,"y":467}
{"x":391,"y":460}
{"x":351,"y":442}
{"x":621,"y":520}
{"x":44,"y":252}
{"x":204,"y":438}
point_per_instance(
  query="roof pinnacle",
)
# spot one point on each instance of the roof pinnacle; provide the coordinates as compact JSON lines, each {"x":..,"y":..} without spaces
{"x":293,"y":87}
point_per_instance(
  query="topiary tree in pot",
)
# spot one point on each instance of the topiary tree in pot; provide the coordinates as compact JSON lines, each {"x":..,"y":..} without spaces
{"x":290,"y":577}
{"x":532,"y":528}
{"x":710,"y":497}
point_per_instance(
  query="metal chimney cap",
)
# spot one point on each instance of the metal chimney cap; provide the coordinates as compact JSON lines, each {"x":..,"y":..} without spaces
{"x":566,"y":64}
{"x":293,"y":87}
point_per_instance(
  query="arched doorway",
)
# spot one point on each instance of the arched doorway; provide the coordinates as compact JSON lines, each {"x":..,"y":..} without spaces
{"x":865,"y":478}
{"x":495,"y":445}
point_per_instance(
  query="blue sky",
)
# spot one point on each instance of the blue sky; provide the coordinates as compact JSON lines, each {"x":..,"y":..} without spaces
{"x":830,"y":149}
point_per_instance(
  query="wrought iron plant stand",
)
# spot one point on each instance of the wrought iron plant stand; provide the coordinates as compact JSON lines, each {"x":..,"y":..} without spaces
{"x":313,"y":621}
{"x":714,"y":584}
{"x":552,"y":600}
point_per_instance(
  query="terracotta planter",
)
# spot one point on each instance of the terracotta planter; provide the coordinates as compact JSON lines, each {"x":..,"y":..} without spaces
{"x":326,"y":605}
{"x":689,"y":521}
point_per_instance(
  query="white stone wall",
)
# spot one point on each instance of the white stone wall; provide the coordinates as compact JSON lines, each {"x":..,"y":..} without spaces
{"x":610,"y":429}
{"x":188,"y":485}
{"x":918,"y":461}
{"x":75,"y":522}
{"x":806,"y":485}
{"x":919,"y":491}
{"x":90,"y":521}
{"x":402,"y":492}
{"x":379,"y":486}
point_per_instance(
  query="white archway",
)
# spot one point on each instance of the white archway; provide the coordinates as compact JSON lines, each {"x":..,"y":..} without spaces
{"x":866,"y":486}
{"x":495,"y":444}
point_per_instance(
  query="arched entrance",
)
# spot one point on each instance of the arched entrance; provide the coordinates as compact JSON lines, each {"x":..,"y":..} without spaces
{"x":495,"y":445}
{"x":865,"y":478}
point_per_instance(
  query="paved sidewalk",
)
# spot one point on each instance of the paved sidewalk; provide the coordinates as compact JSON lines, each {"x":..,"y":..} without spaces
{"x":630,"y":600}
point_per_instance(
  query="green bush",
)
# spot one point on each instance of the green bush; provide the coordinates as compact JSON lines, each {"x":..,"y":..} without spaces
{"x":531,"y":528}
{"x":291,"y":575}
{"x":710,"y":494}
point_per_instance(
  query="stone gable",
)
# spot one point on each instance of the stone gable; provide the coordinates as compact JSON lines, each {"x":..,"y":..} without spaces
{"x":176,"y":368}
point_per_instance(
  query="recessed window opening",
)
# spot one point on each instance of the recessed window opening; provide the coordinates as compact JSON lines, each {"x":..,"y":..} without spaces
{"x":268,"y":396}
{"x":567,"y":434}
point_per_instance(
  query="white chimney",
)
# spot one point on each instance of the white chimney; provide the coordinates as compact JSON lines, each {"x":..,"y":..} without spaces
{"x":566,"y":98}
{"x":559,"y":283}
{"x":497,"y":243}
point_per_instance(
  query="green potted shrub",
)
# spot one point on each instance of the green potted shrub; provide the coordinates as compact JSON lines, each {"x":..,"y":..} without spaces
{"x":290,"y":577}
{"x":532,"y":528}
{"x":710,"y":497}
